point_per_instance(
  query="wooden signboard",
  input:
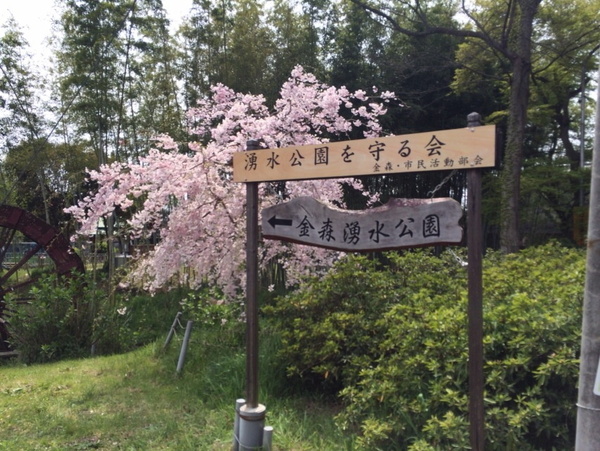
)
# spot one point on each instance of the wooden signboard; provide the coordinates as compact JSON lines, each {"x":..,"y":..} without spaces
{"x":464,"y":148}
{"x":398,"y":224}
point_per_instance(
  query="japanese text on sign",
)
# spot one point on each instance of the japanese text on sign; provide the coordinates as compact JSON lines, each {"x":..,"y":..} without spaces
{"x":400,"y":223}
{"x":431,"y":151}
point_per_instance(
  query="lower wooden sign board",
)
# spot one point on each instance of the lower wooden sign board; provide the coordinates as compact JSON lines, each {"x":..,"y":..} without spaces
{"x":398,"y":224}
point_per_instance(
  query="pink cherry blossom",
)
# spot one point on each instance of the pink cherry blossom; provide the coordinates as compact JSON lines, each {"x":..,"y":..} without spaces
{"x":191,"y":200}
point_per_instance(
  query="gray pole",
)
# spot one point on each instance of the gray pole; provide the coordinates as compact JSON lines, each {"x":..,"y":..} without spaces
{"x":184,"y":346}
{"x":236,"y":424}
{"x":475,"y":305}
{"x":588,"y":404}
{"x":172,"y":330}
{"x":582,"y":136}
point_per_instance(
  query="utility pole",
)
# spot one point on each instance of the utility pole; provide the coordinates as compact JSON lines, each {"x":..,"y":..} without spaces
{"x":588,"y":402}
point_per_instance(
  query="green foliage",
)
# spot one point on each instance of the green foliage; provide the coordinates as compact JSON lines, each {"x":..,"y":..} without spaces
{"x":532,"y":330}
{"x":549,"y":192}
{"x":75,"y":317}
{"x":40,"y":170}
{"x":56,"y":321}
{"x":207,"y":306}
{"x":115,"y":71}
{"x":19,"y":116}
{"x":145,"y":318}
{"x":331,"y":330}
{"x":208,"y":309}
{"x":393,"y":338}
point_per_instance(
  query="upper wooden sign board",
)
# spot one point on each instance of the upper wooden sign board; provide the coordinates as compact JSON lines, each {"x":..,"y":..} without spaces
{"x":463,"y":148}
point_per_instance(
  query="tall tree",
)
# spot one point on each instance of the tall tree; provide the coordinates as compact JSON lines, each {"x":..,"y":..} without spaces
{"x":295,"y":42}
{"x":22,"y":120}
{"x":508,"y":30}
{"x":101,"y":57}
{"x":205,"y":37}
{"x":152,"y":103}
{"x":564,"y":44}
{"x":419,"y":70}
{"x":63,"y":167}
{"x":355,"y":52}
{"x":105,"y":54}
{"x":89,"y":67}
{"x":245,"y":46}
{"x":250,"y":49}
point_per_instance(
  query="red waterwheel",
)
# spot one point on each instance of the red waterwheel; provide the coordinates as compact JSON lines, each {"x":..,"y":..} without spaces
{"x":45,"y":243}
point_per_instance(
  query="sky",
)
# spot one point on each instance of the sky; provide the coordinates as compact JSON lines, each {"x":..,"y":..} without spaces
{"x":35,"y":17}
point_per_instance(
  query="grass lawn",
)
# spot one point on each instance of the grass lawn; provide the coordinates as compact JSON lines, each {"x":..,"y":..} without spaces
{"x":135,"y":401}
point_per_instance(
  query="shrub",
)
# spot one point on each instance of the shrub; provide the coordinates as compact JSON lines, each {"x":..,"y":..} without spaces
{"x":141,"y":318}
{"x":393,"y":337}
{"x":208,"y":308}
{"x":57,"y":322}
{"x":75,"y":317}
{"x":332,"y":327}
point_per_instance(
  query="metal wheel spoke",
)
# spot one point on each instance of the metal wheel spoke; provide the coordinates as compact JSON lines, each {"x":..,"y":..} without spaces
{"x":15,"y":288}
{"x":6,"y":237}
{"x":24,"y":259}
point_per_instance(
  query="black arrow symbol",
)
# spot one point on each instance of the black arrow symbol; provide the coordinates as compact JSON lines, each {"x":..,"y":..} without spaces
{"x":281,"y":222}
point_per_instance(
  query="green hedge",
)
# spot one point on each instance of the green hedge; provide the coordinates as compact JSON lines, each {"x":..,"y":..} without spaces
{"x":389,"y":336}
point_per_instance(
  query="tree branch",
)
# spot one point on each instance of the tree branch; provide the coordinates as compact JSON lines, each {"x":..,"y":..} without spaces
{"x":429,"y":30}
